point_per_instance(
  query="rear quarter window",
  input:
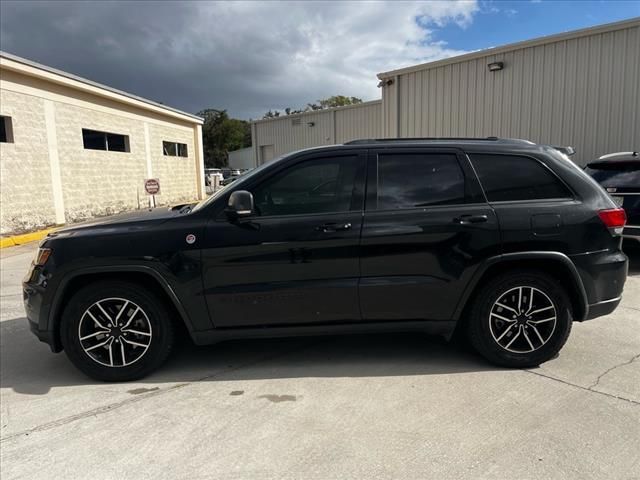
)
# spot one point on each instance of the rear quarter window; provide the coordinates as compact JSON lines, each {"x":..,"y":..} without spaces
{"x":507,"y":178}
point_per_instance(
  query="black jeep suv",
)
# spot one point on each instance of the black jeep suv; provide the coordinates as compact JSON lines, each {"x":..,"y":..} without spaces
{"x":504,"y":240}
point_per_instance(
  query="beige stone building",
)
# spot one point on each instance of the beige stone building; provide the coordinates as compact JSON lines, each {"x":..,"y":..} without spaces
{"x":72,"y":149}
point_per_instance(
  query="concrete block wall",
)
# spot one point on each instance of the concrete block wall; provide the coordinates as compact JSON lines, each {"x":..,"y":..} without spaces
{"x":97,"y":182}
{"x":177,"y":175}
{"x":48,"y":177}
{"x":26,"y":200}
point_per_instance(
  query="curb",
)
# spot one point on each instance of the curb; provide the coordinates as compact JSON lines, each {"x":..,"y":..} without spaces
{"x":14,"y":240}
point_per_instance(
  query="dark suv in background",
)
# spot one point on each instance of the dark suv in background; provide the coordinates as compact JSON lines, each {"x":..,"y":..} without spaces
{"x":503,"y":240}
{"x":619,"y":174}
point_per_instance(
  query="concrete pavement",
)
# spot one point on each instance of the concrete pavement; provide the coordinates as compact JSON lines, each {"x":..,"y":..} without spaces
{"x":387,"y":406}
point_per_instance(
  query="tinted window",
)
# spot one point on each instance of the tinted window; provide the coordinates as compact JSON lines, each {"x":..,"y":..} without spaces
{"x":173,"y":149}
{"x":314,"y":186}
{"x":621,"y":175}
{"x":512,"y":178}
{"x":116,"y":143}
{"x":96,"y":140}
{"x":6,"y":130}
{"x":417,"y":180}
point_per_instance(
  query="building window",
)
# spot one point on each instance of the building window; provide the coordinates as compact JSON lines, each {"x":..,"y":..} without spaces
{"x":174,"y":149}
{"x":6,"y":130}
{"x":114,"y":142}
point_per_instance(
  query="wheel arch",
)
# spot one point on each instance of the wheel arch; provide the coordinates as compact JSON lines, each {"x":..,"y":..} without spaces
{"x":146,"y":276}
{"x":556,"y":264}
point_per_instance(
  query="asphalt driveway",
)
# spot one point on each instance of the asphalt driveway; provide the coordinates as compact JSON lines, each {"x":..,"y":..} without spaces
{"x":384,"y":406}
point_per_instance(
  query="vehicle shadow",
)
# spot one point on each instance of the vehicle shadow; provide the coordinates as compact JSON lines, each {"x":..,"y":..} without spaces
{"x":28,"y":367}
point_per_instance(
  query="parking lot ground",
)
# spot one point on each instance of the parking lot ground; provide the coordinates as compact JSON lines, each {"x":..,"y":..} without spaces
{"x":383,"y":406}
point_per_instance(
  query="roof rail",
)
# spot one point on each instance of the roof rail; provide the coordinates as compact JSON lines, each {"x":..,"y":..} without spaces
{"x":419,"y":139}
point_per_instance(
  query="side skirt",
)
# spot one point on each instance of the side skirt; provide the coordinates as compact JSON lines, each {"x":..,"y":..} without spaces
{"x":208,"y":337}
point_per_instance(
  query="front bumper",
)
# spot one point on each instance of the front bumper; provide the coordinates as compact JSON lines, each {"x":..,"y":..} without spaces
{"x":36,"y":296}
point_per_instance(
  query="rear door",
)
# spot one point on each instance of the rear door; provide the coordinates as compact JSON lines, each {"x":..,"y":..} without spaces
{"x":426,"y":228}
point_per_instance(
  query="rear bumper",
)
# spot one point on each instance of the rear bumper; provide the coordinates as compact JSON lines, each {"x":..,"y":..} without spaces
{"x":602,"y":308}
{"x":603,"y":276}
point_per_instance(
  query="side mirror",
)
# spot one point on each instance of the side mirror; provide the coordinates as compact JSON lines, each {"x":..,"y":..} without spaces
{"x":240,"y":205}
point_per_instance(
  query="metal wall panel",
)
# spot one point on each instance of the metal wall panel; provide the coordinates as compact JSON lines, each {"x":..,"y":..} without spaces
{"x":242,"y":159}
{"x":580,"y":91}
{"x":364,"y":121}
{"x":312,"y":129}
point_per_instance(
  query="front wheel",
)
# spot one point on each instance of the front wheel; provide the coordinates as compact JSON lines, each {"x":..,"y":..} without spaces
{"x":520,"y":319}
{"x":116,"y":331}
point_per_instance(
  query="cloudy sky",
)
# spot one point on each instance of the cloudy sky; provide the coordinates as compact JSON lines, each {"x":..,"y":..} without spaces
{"x":249,"y":57}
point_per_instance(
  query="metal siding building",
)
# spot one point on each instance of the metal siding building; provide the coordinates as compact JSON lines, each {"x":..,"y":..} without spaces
{"x":242,"y":159}
{"x":274,"y":137}
{"x":579,"y":88}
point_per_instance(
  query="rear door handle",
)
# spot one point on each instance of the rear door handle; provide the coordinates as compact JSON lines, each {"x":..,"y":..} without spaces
{"x":467,"y":219}
{"x":333,"y":227}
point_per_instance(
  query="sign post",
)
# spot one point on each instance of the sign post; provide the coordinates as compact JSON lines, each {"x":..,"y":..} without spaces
{"x":152,"y":188}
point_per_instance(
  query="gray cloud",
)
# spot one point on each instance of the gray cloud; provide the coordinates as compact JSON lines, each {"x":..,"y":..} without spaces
{"x":243,"y":56}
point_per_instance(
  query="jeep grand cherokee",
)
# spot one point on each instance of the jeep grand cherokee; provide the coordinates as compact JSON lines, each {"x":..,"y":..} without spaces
{"x":503,"y":240}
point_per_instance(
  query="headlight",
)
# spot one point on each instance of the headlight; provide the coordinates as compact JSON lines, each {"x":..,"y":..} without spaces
{"x":42,"y":256}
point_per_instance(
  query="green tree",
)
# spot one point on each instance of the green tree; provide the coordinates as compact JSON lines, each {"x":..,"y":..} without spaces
{"x":331,"y":102}
{"x":221,"y":135}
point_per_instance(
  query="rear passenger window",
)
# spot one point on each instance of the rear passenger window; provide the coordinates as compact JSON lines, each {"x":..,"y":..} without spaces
{"x":419,"y":180}
{"x":510,"y":178}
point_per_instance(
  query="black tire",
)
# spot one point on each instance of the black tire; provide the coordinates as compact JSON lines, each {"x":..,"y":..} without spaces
{"x":482,"y":333}
{"x":154,"y":313}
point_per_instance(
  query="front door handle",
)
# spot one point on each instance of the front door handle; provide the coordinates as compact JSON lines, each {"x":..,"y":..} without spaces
{"x":333,"y":227}
{"x":467,"y":219}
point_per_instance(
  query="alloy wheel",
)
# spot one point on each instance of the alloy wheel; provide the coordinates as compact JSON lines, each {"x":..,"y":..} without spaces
{"x":522,"y":319}
{"x":115,"y":332}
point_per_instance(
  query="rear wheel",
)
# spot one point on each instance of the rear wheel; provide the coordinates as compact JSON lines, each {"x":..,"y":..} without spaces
{"x":116,"y":331}
{"x":520,"y":319}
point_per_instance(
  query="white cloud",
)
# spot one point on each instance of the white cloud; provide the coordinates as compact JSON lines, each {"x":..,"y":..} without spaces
{"x":319,"y":49}
{"x":247,"y":57}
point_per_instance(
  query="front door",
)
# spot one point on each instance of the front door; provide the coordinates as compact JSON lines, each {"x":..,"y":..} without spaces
{"x":295,"y":261}
{"x":426,"y":226}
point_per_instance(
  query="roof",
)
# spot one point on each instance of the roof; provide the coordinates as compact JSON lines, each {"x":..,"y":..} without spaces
{"x":598,"y":29}
{"x":621,"y":157}
{"x":28,"y":67}
{"x":319,"y":112}
{"x":441,"y":141}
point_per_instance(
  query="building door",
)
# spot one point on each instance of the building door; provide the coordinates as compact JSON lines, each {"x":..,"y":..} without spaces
{"x":266,"y":153}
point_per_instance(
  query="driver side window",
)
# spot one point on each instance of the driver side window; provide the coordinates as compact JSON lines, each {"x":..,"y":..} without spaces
{"x":321,"y":185}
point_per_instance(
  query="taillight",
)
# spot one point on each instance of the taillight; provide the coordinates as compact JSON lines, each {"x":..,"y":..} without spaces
{"x":614,"y":219}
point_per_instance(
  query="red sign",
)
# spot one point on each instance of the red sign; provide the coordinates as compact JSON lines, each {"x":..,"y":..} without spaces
{"x":152,"y":186}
